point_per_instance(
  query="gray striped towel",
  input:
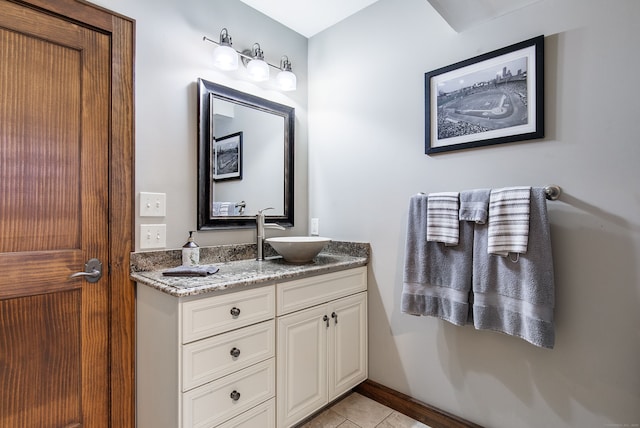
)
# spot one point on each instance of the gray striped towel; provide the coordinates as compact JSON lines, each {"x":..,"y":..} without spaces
{"x":443,"y":224}
{"x":509,"y":220}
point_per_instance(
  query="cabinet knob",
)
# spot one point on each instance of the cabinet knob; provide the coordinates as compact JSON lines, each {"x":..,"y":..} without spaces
{"x":326,"y":319}
{"x":235,"y":312}
{"x":235,"y":395}
{"x":335,"y":317}
{"x":235,"y":352}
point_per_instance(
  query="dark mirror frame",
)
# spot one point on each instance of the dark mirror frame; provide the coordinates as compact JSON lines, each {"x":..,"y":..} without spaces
{"x":205,"y":221}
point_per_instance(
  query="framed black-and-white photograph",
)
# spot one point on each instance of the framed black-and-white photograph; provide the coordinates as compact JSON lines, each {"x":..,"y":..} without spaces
{"x":227,"y":157}
{"x":494,"y":98}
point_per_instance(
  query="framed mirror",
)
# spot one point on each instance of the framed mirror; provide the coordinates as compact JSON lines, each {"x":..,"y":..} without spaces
{"x":245,"y":158}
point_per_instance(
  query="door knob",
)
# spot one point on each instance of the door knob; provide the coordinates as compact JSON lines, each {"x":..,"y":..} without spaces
{"x":92,"y":271}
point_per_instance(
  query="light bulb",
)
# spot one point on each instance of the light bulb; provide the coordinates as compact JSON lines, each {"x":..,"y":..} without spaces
{"x":225,"y":58}
{"x":258,"y":70}
{"x":286,"y":81}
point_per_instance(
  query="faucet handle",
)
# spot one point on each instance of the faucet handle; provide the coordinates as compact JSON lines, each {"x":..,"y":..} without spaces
{"x":264,"y":209}
{"x":273,"y":226}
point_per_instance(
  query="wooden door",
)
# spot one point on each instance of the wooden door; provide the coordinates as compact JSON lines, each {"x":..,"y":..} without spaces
{"x":54,"y":216}
{"x":347,"y":344}
{"x":302,"y":364}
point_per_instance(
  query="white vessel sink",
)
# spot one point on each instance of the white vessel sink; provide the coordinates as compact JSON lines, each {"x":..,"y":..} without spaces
{"x":298,"y":249}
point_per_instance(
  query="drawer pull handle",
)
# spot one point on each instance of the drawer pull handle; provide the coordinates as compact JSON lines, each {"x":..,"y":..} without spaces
{"x":326,"y":319}
{"x":235,"y":352}
{"x":235,"y":312}
{"x":335,"y":317}
{"x":235,"y":395}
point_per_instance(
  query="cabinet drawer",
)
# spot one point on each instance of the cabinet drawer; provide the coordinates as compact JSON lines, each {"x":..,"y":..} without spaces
{"x":262,"y":416}
{"x":212,"y":404}
{"x":205,"y":317}
{"x":303,"y":293}
{"x":212,"y":358}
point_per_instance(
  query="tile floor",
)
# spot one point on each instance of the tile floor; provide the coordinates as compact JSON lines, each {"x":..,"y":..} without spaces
{"x":358,"y":411}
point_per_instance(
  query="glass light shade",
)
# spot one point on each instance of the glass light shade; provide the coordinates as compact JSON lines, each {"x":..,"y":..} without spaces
{"x":225,"y":58}
{"x":286,"y":81}
{"x":258,"y":70}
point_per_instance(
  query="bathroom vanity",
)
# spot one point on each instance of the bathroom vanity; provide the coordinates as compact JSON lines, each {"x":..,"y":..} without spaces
{"x":258,"y":344}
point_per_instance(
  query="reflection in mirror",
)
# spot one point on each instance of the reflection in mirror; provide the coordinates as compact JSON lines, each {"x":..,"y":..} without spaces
{"x":245,"y":158}
{"x":261,"y":156}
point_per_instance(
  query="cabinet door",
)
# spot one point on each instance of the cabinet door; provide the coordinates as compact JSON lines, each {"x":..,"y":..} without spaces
{"x":347,"y":344}
{"x":302,"y":364}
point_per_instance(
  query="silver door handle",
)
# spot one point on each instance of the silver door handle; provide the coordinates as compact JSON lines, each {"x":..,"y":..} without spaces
{"x":92,"y":271}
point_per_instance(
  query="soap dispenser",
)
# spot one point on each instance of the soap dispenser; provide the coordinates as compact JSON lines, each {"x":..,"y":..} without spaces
{"x":190,"y":252}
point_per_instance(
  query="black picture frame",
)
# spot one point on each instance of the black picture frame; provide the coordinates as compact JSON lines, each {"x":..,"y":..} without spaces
{"x":494,"y":98}
{"x":226,"y":157}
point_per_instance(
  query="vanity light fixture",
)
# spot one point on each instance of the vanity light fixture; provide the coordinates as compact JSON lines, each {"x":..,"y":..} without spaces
{"x":285,"y":79}
{"x":225,"y":57}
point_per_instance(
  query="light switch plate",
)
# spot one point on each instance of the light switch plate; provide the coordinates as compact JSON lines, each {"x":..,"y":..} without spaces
{"x":315,"y":226}
{"x":153,"y":236}
{"x":153,"y":204}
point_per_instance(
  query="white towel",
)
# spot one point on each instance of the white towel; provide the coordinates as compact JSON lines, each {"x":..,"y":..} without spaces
{"x":224,"y":209}
{"x":509,"y":220}
{"x":443,"y":224}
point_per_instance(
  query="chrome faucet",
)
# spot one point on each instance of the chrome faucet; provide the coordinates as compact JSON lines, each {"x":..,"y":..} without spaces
{"x":260,"y":227}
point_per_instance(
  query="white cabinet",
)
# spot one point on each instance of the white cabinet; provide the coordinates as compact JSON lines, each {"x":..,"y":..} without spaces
{"x":212,"y":360}
{"x":206,"y":361}
{"x":322,"y":349}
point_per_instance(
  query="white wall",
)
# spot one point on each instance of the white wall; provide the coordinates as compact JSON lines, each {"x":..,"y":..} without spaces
{"x":170,"y":57}
{"x":366,"y":151}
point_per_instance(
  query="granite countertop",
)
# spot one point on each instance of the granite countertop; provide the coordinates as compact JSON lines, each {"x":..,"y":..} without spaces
{"x":237,"y":270}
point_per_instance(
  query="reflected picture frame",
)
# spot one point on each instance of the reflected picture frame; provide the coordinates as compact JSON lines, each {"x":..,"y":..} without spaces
{"x":494,"y":98}
{"x":226,"y":157}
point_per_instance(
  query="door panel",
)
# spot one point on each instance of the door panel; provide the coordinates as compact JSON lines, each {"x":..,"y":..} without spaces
{"x":41,"y":151}
{"x":42,"y":333}
{"x":54,"y":163}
